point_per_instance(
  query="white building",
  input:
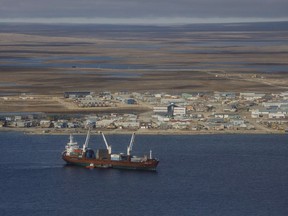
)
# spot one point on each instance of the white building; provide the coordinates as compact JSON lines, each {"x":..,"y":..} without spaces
{"x":104,"y":123}
{"x":161,"y":109}
{"x":284,"y":95}
{"x":172,"y":100}
{"x":276,"y":115}
{"x":179,"y":111}
{"x":275,"y":104}
{"x":251,"y":96}
{"x":259,"y":113}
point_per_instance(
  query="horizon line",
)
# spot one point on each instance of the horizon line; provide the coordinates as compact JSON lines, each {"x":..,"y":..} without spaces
{"x":140,"y":21}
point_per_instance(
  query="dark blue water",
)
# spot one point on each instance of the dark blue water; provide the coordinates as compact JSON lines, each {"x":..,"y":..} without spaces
{"x":197,"y":175}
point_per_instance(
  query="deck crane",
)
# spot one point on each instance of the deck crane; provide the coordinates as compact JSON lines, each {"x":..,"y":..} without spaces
{"x":85,"y":145}
{"x":105,"y":141}
{"x":129,"y":148}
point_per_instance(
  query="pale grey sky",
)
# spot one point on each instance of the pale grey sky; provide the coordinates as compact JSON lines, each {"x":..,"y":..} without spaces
{"x":143,"y":10}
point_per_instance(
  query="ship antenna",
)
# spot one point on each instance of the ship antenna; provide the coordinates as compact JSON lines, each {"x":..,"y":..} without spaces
{"x":71,"y":139}
{"x":71,"y":142}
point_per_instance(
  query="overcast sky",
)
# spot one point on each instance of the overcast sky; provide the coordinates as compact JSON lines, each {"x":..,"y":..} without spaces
{"x":141,"y":11}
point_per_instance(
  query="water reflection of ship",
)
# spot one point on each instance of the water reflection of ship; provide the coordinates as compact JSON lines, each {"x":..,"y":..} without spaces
{"x":104,"y":158}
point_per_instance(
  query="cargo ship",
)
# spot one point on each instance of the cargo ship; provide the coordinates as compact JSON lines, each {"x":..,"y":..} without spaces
{"x":103,"y":158}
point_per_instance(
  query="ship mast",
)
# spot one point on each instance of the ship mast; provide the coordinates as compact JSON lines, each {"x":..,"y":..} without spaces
{"x":105,"y":141}
{"x":129,"y":148}
{"x":71,"y":141}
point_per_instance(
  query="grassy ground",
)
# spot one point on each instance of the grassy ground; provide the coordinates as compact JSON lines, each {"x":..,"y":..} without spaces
{"x":172,"y":62}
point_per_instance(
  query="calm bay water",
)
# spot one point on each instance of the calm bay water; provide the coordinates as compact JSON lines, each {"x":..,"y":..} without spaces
{"x":197,"y":175}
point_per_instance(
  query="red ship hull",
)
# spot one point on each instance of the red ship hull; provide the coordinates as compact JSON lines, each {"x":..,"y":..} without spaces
{"x":149,"y":164}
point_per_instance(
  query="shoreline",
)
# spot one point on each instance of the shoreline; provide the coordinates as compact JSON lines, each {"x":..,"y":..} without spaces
{"x":42,"y":131}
